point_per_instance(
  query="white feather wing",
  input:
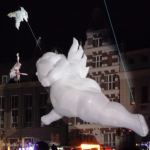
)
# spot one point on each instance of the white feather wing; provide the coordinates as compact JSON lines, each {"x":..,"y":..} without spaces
{"x":78,"y":59}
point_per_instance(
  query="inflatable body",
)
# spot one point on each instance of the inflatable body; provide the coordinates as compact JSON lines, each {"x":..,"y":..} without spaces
{"x":72,"y":94}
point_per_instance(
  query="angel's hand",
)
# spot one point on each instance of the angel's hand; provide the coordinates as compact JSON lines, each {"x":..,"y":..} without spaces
{"x":45,"y":82}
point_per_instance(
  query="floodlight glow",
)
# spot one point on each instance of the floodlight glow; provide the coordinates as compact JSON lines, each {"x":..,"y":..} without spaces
{"x":89,"y":146}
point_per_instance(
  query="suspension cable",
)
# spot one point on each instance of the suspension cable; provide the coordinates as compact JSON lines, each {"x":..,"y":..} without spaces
{"x":37,"y":43}
{"x":119,"y":53}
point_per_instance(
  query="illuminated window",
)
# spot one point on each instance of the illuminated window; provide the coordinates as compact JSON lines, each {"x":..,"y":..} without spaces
{"x":97,"y":40}
{"x":55,"y":137}
{"x":115,"y":60}
{"x":109,"y":82}
{"x":98,"y":61}
{"x":14,"y":110}
{"x":109,"y":139}
{"x":28,"y":110}
{"x":2,"y":99}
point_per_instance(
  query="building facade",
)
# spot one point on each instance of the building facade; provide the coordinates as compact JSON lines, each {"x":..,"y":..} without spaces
{"x":130,"y":87}
{"x":137,"y":99}
{"x":103,"y":60}
{"x":23,"y":103}
{"x":21,"y":106}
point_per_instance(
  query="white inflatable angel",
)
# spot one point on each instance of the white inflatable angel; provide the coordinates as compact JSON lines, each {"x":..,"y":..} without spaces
{"x":15,"y":71}
{"x":72,"y":94}
{"x":19,"y":15}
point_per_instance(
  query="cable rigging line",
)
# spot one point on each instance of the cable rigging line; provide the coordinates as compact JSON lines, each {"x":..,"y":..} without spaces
{"x":37,"y":43}
{"x":119,"y":53}
{"x":33,"y":34}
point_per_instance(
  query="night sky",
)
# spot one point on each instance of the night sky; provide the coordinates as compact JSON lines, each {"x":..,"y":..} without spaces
{"x":56,"y":22}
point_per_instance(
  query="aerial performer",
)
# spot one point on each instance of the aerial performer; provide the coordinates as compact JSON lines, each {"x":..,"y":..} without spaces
{"x":19,"y":16}
{"x":15,"y":70}
{"x":73,"y":94}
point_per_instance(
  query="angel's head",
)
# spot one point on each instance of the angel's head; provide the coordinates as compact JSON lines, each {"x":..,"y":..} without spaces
{"x":46,"y":63}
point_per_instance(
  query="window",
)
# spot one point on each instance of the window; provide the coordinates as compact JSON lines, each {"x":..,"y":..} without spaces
{"x":98,"y":61}
{"x":97,"y":40}
{"x":28,"y":110}
{"x":55,"y":137}
{"x":109,"y":139}
{"x":14,"y":110}
{"x":89,"y":41}
{"x":109,"y":82}
{"x":97,"y":79}
{"x":4,"y":79}
{"x":144,"y":94}
{"x":2,"y":100}
{"x":115,"y":60}
{"x":43,"y":103}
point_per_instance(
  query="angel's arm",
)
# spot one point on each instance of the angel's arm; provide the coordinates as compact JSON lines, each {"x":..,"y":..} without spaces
{"x":12,"y":14}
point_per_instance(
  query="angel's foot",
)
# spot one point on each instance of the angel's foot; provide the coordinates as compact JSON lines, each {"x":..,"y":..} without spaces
{"x":45,"y":120}
{"x":143,"y":126}
{"x":42,"y":124}
{"x":45,"y":82}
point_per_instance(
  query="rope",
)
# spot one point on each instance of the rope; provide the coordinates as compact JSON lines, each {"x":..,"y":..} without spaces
{"x":34,"y":36}
{"x":119,"y":53}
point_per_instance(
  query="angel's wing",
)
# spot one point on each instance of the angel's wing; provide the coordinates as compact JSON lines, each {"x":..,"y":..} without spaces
{"x":24,"y":14}
{"x":77,"y":57}
{"x":19,"y":15}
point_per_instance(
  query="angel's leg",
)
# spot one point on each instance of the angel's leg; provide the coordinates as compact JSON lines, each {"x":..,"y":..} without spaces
{"x":115,"y":114}
{"x":50,"y":117}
